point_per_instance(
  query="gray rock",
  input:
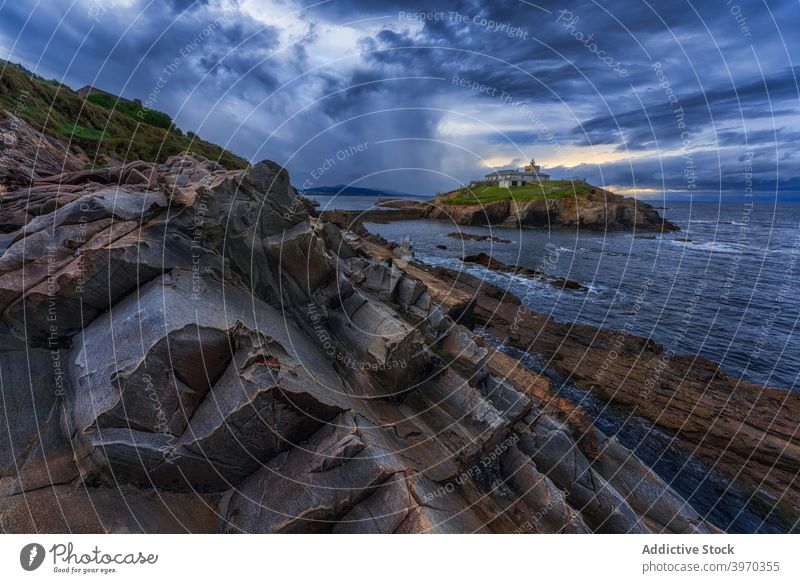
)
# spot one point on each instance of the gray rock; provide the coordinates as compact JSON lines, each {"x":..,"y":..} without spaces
{"x":555,"y":453}
{"x":156,"y":362}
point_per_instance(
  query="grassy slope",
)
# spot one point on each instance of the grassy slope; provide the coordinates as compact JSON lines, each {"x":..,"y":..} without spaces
{"x":60,"y":112}
{"x":487,"y":194}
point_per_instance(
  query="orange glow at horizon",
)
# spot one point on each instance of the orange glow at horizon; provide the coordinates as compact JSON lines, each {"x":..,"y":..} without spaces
{"x":576,"y":157}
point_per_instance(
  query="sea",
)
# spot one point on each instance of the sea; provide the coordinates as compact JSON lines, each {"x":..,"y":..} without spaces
{"x":726,"y":286}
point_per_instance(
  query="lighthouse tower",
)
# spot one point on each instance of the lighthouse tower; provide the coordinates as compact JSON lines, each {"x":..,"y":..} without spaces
{"x":532,"y":167}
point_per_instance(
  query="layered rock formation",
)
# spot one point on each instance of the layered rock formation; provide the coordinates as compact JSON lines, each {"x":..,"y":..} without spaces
{"x":596,"y":209}
{"x":746,"y":432}
{"x":184,"y":349}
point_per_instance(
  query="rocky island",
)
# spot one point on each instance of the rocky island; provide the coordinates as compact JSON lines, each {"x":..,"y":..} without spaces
{"x":527,"y":197}
{"x":548,"y":204}
{"x":553,"y":204}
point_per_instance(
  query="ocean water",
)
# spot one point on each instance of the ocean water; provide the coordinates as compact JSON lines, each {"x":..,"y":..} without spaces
{"x":727,"y":286}
{"x":355,"y":203}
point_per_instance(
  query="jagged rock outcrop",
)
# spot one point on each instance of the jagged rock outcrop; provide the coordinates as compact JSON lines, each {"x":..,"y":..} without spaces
{"x":27,"y":154}
{"x":596,"y":210}
{"x":185,"y":348}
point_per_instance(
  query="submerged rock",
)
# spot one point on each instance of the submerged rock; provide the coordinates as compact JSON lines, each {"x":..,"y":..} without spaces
{"x":471,"y":237}
{"x":496,"y":265}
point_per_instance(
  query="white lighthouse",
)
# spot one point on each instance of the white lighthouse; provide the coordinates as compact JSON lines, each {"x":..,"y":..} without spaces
{"x":530,"y":174}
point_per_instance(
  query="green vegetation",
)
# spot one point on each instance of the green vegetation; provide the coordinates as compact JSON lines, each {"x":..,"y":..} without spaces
{"x":74,"y":130}
{"x":98,"y":129}
{"x":148,"y":116}
{"x":487,"y":194}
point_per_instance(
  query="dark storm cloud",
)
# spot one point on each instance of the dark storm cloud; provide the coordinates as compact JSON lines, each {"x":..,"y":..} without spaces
{"x":740,"y":103}
{"x":759,"y":137}
{"x":257,"y":84}
{"x":129,"y":46}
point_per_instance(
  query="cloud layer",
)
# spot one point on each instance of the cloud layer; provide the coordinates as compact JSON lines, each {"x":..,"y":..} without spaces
{"x":682,"y":96}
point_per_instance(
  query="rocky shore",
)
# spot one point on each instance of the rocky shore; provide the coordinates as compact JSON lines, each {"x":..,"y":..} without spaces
{"x":185,"y":350}
{"x":744,"y":431}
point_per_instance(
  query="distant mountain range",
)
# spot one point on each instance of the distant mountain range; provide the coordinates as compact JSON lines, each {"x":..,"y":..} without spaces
{"x":343,"y":190}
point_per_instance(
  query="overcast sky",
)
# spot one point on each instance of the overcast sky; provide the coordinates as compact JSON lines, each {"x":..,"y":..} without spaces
{"x":642,"y":96}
